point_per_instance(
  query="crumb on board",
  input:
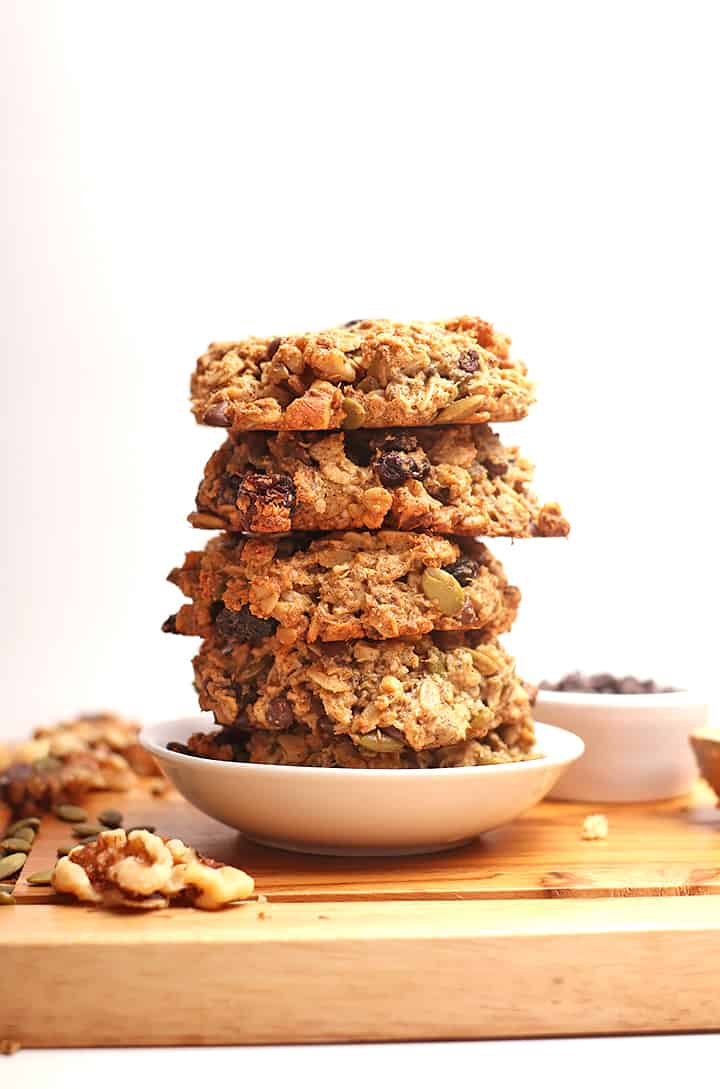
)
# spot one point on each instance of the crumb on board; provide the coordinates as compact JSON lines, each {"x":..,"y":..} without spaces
{"x":9,"y":1047}
{"x":595,"y":826}
{"x":323,"y":916}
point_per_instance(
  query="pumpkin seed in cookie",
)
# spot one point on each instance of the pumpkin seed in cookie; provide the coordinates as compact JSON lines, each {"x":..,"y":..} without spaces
{"x":380,"y":742}
{"x":444,"y":590}
{"x":460,"y":410}
{"x":354,"y":414}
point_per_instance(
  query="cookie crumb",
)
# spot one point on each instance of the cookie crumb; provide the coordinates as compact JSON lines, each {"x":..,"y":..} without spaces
{"x":595,"y":826}
{"x":9,"y":1047}
{"x":323,"y":916}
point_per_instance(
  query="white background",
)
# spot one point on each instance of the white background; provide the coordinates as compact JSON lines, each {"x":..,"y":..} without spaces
{"x":177,"y":173}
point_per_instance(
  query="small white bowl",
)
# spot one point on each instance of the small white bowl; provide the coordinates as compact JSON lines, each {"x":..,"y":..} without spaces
{"x":637,"y":748}
{"x":356,"y":811}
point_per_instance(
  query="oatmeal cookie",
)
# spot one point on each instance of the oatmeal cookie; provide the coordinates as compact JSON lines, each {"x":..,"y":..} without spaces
{"x":425,"y":693}
{"x":511,"y":740}
{"x":345,"y":586}
{"x":458,"y":480}
{"x":64,"y":762}
{"x":374,"y":373}
{"x":143,"y":871}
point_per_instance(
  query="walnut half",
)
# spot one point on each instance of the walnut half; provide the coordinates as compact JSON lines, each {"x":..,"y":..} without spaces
{"x":141,"y":870}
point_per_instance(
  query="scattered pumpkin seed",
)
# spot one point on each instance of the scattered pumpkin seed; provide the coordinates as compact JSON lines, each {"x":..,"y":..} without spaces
{"x":65,"y":849}
{"x":82,"y":831}
{"x":443,"y":589}
{"x":6,"y":898}
{"x":28,"y":834}
{"x":380,"y":742}
{"x":354,"y":414}
{"x":10,"y":846}
{"x":26,"y":822}
{"x":73,"y":814}
{"x":111,"y":818}
{"x":43,"y":877}
{"x":7,"y":888}
{"x":141,"y":828}
{"x":460,"y":410}
{"x":12,"y":864}
{"x":84,"y":842}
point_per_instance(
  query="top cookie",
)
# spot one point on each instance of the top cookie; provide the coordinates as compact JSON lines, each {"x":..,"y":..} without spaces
{"x":374,"y":373}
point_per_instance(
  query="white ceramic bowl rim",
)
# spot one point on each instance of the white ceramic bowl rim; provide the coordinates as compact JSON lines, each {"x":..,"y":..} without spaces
{"x":649,"y":701}
{"x":563,"y":745}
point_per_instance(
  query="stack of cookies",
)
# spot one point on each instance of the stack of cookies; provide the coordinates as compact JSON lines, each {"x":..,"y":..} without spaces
{"x":349,"y":614}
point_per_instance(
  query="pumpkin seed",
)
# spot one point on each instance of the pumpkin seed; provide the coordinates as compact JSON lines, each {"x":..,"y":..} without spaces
{"x":354,"y":414}
{"x":482,"y":719}
{"x":84,"y":842}
{"x":435,"y":662}
{"x":26,"y":822}
{"x":380,"y":742}
{"x":7,"y":888}
{"x":73,"y":814}
{"x":43,"y":877}
{"x":460,"y":410}
{"x":12,"y":864}
{"x":141,"y":828}
{"x":28,"y":834}
{"x":484,"y":661}
{"x":6,"y":898}
{"x":83,"y":831}
{"x":65,"y":849}
{"x":444,"y":590}
{"x":111,"y":818}
{"x":10,"y":846}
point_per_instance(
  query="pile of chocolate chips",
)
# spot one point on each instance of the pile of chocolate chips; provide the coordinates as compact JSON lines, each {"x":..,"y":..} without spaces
{"x":605,"y":684}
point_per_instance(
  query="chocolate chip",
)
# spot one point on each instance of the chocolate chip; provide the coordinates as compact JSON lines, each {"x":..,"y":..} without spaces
{"x":463,"y":570}
{"x":272,"y":348}
{"x":242,"y":624}
{"x":395,"y":467}
{"x":605,"y":684}
{"x":219,"y":415}
{"x":495,"y":468}
{"x":169,"y":625}
{"x":280,"y":713}
{"x":469,"y":361}
{"x":355,"y":321}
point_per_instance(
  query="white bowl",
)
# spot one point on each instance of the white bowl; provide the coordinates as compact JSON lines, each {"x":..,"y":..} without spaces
{"x":637,"y":748}
{"x":362,"y":812}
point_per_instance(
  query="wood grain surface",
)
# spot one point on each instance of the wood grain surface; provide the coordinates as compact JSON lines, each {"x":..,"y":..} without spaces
{"x":530,"y":931}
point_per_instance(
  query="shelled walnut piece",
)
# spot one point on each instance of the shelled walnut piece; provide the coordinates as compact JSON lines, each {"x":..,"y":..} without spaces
{"x":63,"y":763}
{"x":144,"y":871}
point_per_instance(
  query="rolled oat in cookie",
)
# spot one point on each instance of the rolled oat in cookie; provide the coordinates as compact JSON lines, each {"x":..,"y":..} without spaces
{"x":459,"y":480}
{"x":425,"y":693}
{"x":510,"y":741}
{"x":374,"y":373}
{"x":143,"y":871}
{"x":343,"y":586}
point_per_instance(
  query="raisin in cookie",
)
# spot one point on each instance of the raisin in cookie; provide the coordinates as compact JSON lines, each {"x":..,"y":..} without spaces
{"x":439,"y":480}
{"x":376,"y":373}
{"x":344,"y":586}
{"x":427,"y":693}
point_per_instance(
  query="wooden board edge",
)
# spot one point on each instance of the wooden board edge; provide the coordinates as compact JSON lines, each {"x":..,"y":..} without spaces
{"x":362,"y":972}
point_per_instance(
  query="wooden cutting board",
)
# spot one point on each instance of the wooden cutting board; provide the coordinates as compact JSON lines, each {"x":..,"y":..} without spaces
{"x":530,"y":931}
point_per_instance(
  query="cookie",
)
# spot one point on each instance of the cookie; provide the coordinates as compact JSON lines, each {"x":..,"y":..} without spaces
{"x":383,"y":696}
{"x":344,"y":586}
{"x":511,"y":741}
{"x":458,"y":480}
{"x":375,"y":373}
